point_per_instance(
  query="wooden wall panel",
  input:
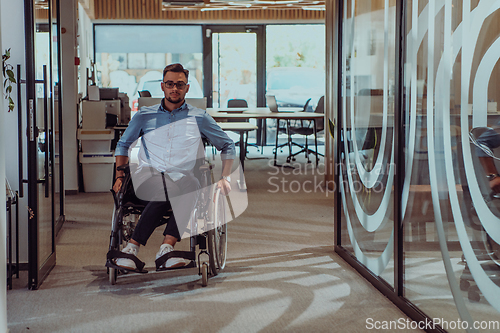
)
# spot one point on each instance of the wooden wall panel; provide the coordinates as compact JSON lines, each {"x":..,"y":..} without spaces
{"x":152,"y":10}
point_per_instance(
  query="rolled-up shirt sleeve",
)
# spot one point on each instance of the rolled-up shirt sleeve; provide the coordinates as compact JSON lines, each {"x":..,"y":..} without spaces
{"x":131,"y":134}
{"x":211,"y":131}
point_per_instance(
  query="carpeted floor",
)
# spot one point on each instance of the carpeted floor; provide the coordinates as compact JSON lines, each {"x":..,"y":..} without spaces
{"x":281,"y":274}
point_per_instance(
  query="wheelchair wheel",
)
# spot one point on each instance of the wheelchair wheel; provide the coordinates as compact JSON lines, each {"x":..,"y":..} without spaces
{"x":217,"y":237}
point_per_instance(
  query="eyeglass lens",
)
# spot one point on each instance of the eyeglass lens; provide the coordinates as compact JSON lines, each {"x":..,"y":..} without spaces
{"x":178,"y":84}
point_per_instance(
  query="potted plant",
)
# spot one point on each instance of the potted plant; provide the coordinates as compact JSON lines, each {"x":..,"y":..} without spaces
{"x":8,"y":74}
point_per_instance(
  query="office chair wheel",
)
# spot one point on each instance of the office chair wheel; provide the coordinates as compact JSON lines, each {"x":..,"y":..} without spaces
{"x":204,"y":274}
{"x":217,"y":237}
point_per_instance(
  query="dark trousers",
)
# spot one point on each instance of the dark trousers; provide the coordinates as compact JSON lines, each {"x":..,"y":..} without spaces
{"x":181,"y":197}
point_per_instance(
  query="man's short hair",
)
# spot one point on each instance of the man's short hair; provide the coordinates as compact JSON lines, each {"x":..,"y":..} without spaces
{"x":177,"y":68}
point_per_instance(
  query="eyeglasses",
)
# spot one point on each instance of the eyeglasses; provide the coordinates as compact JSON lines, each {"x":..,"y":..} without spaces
{"x":179,"y":84}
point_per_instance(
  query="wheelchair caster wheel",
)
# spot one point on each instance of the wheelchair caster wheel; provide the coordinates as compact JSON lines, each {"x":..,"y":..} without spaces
{"x":204,"y":274}
{"x":113,"y":273}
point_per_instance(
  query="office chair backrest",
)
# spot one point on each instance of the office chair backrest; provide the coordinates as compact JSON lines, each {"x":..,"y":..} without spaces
{"x":320,"y":108}
{"x":144,"y":93}
{"x":306,"y":105}
{"x":237,"y":103}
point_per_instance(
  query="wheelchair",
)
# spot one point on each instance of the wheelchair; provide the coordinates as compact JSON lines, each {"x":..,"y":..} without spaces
{"x":207,"y":226}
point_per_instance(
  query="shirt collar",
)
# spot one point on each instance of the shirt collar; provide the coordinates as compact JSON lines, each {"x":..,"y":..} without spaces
{"x":183,"y":107}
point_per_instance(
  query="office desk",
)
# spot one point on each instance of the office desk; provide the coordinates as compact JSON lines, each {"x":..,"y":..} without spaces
{"x":265,"y":113}
{"x":261,"y":120}
{"x":240,"y":127}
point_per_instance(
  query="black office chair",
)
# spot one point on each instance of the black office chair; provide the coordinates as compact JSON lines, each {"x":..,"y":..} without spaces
{"x":144,"y":93}
{"x":241,"y":103}
{"x":283,"y":127}
{"x":306,"y":128}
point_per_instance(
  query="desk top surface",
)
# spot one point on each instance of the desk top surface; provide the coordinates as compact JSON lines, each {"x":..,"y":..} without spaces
{"x":263,"y":113}
{"x":237,"y":126}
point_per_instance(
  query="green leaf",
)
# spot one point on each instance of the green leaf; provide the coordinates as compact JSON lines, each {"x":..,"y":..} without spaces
{"x":11,"y":104}
{"x":10,"y":73}
{"x":9,"y":89}
{"x":11,"y":79}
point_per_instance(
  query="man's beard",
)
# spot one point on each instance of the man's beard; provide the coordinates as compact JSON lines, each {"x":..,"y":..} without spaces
{"x":174,"y":101}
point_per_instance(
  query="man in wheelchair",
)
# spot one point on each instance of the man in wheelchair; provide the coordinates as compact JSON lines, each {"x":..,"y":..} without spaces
{"x":170,"y":137}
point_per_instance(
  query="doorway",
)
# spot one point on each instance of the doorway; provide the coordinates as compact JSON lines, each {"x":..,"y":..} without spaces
{"x":234,"y":65}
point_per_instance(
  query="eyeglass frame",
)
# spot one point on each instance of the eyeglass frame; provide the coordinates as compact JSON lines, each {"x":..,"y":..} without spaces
{"x":176,"y":84}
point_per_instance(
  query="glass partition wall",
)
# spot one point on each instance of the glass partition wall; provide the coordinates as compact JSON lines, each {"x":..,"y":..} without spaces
{"x":418,"y":155}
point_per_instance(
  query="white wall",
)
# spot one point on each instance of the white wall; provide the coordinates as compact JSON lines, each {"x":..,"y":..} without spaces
{"x":69,"y":93}
{"x":12,"y":27}
{"x":85,"y":47}
{"x":3,"y":271}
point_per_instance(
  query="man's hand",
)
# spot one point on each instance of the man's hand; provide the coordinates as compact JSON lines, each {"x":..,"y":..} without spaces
{"x":495,"y":184}
{"x":224,"y":185}
{"x":118,"y":184}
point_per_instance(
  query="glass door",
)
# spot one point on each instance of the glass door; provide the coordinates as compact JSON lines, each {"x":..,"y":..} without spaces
{"x":41,"y":236}
{"x":56,"y":114}
{"x":367,"y":142}
{"x":234,"y":65}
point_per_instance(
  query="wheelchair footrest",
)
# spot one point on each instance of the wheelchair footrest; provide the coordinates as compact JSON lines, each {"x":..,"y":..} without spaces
{"x":113,"y":254}
{"x":192,"y":264}
{"x":189,"y":255}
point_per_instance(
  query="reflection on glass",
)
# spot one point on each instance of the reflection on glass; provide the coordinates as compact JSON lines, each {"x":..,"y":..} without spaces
{"x":44,"y":124}
{"x":59,"y":193}
{"x":451,"y":215}
{"x":367,"y":141}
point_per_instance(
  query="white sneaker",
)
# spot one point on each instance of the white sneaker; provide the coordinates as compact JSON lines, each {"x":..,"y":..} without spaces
{"x":125,"y":262}
{"x":171,"y":262}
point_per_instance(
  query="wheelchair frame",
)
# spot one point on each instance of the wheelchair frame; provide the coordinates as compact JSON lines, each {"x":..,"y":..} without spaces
{"x":209,"y":210}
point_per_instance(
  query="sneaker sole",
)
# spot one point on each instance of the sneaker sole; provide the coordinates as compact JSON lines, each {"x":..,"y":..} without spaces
{"x":126,"y":267}
{"x":179,"y":264}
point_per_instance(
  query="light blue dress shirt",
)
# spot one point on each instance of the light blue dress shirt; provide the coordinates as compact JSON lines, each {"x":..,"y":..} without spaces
{"x":171,"y":141}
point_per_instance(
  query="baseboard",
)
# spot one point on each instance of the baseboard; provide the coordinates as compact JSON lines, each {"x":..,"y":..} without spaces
{"x":70,"y":192}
